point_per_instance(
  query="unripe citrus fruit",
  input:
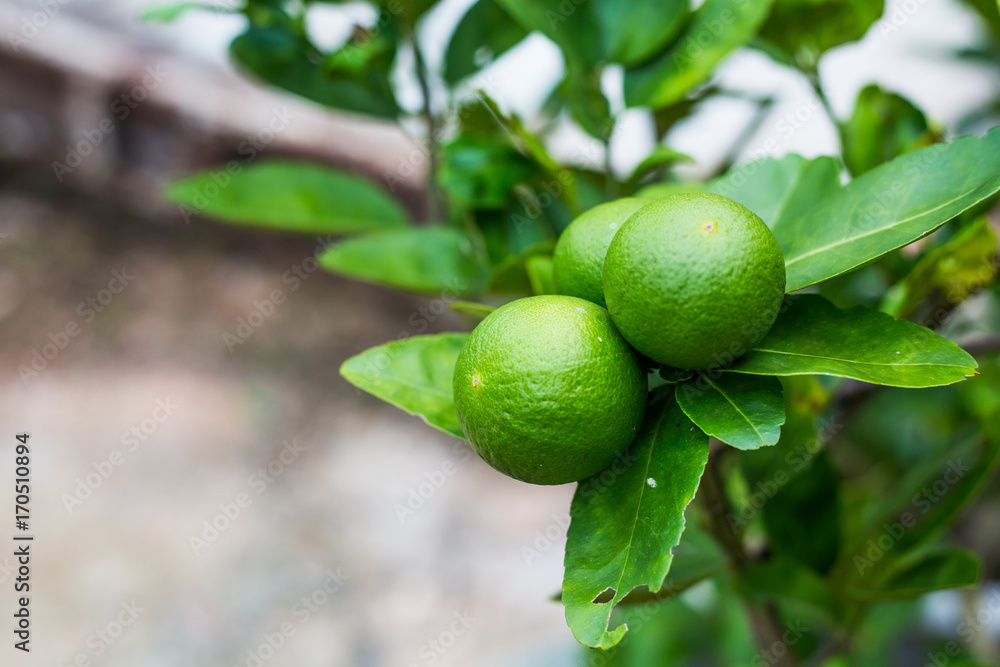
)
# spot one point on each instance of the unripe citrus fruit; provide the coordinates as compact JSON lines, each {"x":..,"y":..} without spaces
{"x":694,"y":280}
{"x":548,"y":391}
{"x":579,"y":255}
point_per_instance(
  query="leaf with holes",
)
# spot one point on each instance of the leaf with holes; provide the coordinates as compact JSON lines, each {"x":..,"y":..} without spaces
{"x":627,"y":519}
{"x":744,"y":411}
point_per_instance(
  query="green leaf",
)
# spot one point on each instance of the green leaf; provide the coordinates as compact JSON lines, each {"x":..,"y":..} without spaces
{"x":539,"y":268}
{"x":886,"y":208}
{"x":696,"y":558}
{"x":472,"y":309}
{"x":883,"y":126}
{"x":480,"y":172}
{"x":777,"y":190}
{"x":717,"y":28}
{"x":959,"y":267}
{"x":635,"y":30}
{"x":170,"y":13}
{"x":414,"y":374}
{"x":813,"y":337}
{"x":782,"y":579}
{"x":421,"y":259}
{"x":573,"y":27}
{"x":582,"y":94}
{"x":934,"y":571}
{"x":660,"y":157}
{"x":289,"y":196}
{"x":286,"y":60}
{"x":484,"y":33}
{"x":806,"y":28}
{"x":622,"y":530}
{"x":744,"y":411}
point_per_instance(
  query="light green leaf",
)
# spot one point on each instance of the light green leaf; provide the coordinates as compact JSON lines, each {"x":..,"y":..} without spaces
{"x":886,"y":208}
{"x":421,"y":259}
{"x":744,"y":411}
{"x":717,"y":28}
{"x":539,"y":268}
{"x":414,"y":374}
{"x":806,"y":28}
{"x":779,"y":189}
{"x":635,"y":30}
{"x":622,"y":531}
{"x":289,"y":196}
{"x":958,"y":268}
{"x":661,"y":156}
{"x":812,"y":337}
{"x":170,"y":13}
{"x":472,"y":309}
{"x":484,"y":33}
{"x":935,"y":571}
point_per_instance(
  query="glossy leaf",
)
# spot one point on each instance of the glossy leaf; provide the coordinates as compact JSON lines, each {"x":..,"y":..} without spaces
{"x":959,"y":267}
{"x":696,"y":558}
{"x":716,"y":29}
{"x":635,"y":30}
{"x":289,"y":196}
{"x":744,"y":411}
{"x":623,"y":529}
{"x":283,"y":59}
{"x":414,"y":374}
{"x":422,"y":259}
{"x":813,"y":337}
{"x":484,"y":33}
{"x":883,"y":126}
{"x":886,"y":208}
{"x":809,"y":27}
{"x":539,"y":268}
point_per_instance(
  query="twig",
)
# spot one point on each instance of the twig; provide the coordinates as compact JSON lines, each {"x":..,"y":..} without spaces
{"x":434,"y":204}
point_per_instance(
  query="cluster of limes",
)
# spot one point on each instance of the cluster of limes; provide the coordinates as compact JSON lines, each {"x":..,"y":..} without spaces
{"x":550,"y":389}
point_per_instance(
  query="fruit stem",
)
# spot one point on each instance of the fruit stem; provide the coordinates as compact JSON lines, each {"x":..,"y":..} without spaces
{"x":765,"y":622}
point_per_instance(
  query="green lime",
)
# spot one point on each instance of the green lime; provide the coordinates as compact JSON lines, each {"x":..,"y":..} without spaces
{"x":548,"y":391}
{"x":579,"y":254}
{"x":694,"y":280}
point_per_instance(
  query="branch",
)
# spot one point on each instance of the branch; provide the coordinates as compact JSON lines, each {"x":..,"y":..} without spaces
{"x":434,"y":203}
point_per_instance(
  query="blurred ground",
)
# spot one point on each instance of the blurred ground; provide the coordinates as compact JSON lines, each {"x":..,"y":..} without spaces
{"x":336,"y":505}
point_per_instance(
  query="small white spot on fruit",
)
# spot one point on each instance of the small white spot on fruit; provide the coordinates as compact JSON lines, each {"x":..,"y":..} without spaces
{"x":601,"y":340}
{"x":476,"y":380}
{"x":581,"y":310}
{"x":651,"y":482}
{"x":709,"y":227}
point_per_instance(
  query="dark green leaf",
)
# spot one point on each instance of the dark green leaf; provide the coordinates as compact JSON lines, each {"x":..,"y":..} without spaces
{"x":414,"y":374}
{"x":958,"y":268}
{"x":635,"y":30}
{"x":934,"y":571}
{"x":806,"y":28}
{"x":289,"y":196}
{"x":813,"y":337}
{"x":717,"y":28}
{"x":744,"y":411}
{"x":671,"y":375}
{"x":886,"y":208}
{"x":285,"y":60}
{"x":781,"y":579}
{"x":422,"y":259}
{"x":660,"y":157}
{"x":582,"y":94}
{"x":481,"y":173}
{"x":626,"y":521}
{"x":883,"y":126}
{"x":485,"y":32}
{"x":696,"y":558}
{"x":573,"y":27}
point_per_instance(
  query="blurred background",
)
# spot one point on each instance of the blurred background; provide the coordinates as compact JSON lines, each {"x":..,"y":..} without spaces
{"x":196,"y":501}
